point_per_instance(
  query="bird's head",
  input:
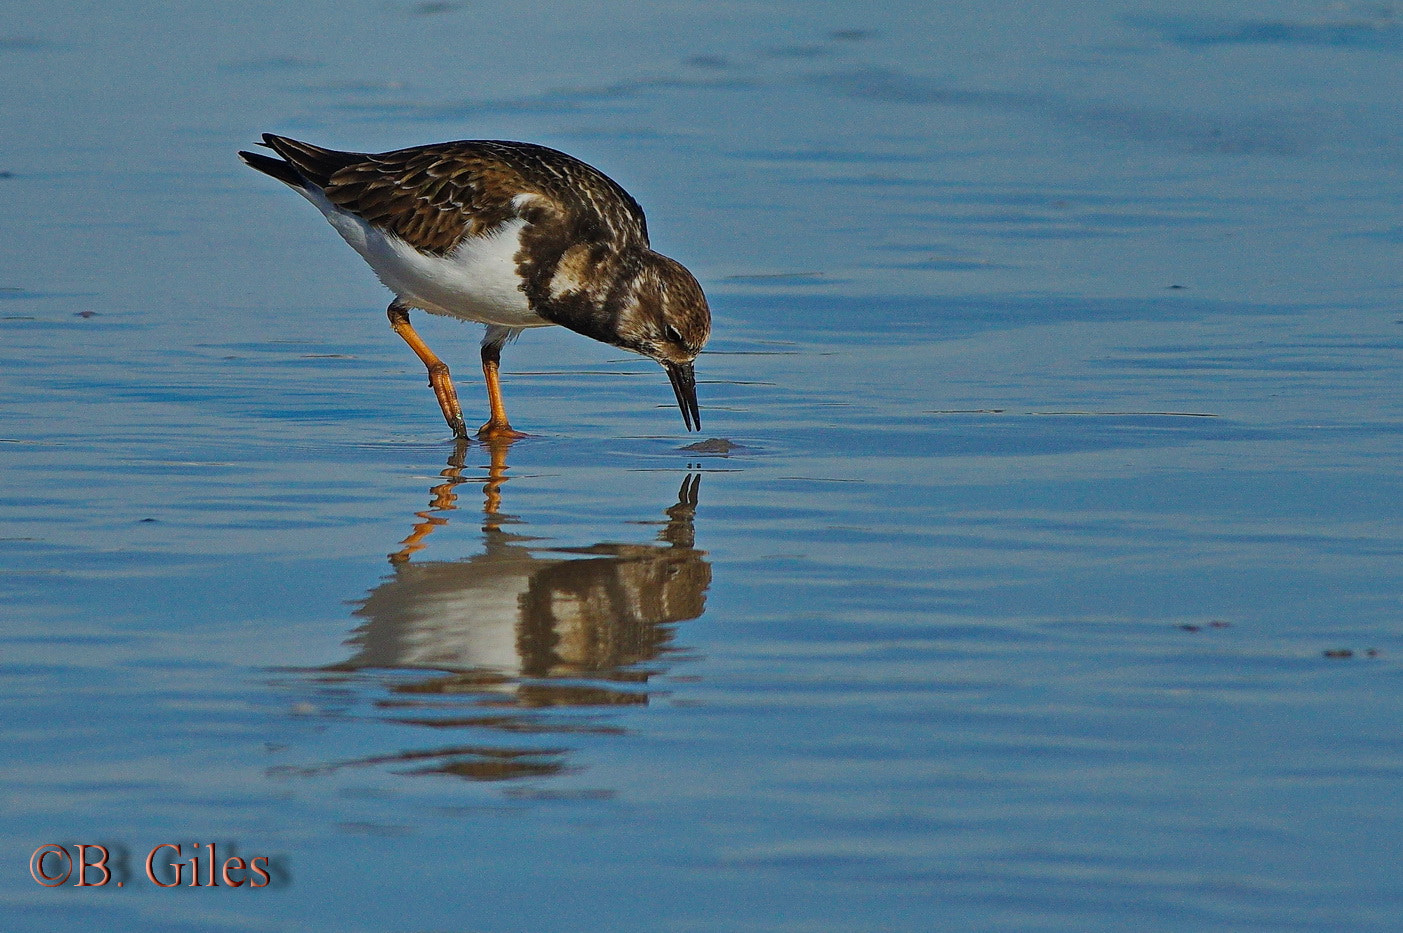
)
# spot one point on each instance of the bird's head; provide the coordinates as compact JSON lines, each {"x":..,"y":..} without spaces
{"x":669,"y":321}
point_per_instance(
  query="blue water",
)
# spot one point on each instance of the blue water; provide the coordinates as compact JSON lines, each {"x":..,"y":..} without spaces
{"x":1047,"y":578}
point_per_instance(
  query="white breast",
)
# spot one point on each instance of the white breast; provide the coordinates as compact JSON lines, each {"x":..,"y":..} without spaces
{"x":478,"y":281}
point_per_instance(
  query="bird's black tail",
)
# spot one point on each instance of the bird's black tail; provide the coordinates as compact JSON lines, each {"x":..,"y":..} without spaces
{"x":301,"y":162}
{"x":277,"y":168}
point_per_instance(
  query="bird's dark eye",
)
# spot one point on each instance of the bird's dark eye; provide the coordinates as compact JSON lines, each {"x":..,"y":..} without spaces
{"x":673,"y":333}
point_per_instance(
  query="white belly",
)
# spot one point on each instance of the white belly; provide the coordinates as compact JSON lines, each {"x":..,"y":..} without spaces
{"x":476,"y":282}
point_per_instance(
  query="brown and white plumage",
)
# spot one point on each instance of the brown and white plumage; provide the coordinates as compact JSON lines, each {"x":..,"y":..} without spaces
{"x":511,"y":235}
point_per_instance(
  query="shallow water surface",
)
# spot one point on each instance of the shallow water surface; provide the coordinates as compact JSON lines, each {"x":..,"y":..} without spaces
{"x":1037,"y":568}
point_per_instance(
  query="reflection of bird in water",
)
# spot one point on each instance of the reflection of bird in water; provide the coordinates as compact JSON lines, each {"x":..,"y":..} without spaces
{"x":521,"y":609}
{"x":522,"y":627}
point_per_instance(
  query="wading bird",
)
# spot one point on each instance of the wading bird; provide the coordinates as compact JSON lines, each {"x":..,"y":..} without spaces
{"x":511,"y":235}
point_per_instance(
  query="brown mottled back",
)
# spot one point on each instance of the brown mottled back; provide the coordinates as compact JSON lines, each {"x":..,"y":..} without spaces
{"x":433,"y":196}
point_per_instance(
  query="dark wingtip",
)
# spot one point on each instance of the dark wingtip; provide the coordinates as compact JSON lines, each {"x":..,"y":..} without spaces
{"x":278,"y":143}
{"x":277,"y":168}
{"x":310,"y":164}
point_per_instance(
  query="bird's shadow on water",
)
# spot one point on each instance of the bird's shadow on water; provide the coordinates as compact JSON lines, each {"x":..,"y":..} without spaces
{"x":509,"y":652}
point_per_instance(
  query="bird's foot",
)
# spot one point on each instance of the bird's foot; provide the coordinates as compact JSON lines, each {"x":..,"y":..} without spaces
{"x":499,"y":431}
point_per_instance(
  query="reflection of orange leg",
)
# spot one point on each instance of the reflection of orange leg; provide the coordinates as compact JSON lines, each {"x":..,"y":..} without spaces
{"x":438,"y":371}
{"x":444,"y":500}
{"x":496,"y":475}
{"x":496,"y":427}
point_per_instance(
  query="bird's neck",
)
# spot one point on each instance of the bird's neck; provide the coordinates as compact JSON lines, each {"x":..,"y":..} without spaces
{"x":590,"y":288}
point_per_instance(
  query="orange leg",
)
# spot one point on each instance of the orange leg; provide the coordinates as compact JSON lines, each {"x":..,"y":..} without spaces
{"x":439,"y":378}
{"x":497,"y":427}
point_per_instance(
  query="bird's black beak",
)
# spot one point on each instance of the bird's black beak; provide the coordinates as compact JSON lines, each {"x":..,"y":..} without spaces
{"x":684,"y":384}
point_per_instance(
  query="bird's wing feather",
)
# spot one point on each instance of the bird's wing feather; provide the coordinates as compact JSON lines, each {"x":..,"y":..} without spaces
{"x":430,"y":197}
{"x":433,"y":196}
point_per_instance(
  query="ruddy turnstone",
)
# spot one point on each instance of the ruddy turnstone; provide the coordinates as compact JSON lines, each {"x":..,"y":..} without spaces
{"x":511,"y":235}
